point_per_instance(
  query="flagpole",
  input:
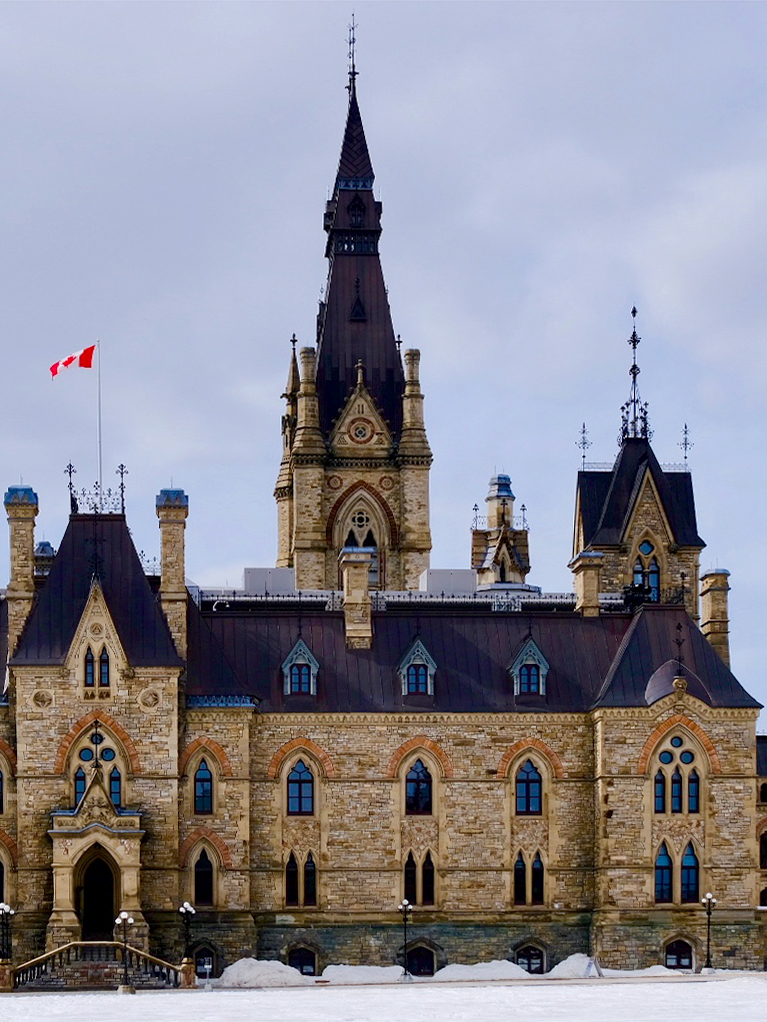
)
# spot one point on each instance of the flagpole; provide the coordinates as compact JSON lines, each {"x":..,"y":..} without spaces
{"x":98,"y":351}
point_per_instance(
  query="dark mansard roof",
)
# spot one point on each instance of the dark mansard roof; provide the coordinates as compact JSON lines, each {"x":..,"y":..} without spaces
{"x":617,"y":659}
{"x":97,"y":548}
{"x":607,"y":498}
{"x":761,"y":755}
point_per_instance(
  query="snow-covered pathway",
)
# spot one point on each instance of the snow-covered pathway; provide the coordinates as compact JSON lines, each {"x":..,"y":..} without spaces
{"x":731,"y":1000}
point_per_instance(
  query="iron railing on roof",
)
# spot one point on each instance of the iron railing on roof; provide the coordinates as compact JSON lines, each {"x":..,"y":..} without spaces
{"x":519,"y":523}
{"x":608,"y":466}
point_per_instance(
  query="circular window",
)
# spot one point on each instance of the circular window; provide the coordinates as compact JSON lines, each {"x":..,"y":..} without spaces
{"x":677,"y":742}
{"x":666,"y":757}
{"x":360,"y":519}
{"x":86,"y":755}
{"x":108,"y":755}
{"x":646,"y":548}
{"x":687,"y":757}
{"x":97,"y":739}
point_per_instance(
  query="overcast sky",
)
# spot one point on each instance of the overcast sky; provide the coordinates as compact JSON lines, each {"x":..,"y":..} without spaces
{"x":543,"y":167}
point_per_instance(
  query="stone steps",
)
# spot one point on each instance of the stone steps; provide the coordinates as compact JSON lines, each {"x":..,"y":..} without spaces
{"x":85,"y":975}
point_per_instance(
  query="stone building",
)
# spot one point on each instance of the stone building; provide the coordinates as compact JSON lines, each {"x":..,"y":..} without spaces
{"x":538,"y":775}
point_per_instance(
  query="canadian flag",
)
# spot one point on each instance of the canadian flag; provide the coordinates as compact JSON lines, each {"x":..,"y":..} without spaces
{"x":83,"y":358}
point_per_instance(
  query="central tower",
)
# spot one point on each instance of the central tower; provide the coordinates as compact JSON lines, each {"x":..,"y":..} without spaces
{"x":355,"y":463}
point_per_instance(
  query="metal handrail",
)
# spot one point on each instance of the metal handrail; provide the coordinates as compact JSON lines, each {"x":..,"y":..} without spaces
{"x":28,"y":971}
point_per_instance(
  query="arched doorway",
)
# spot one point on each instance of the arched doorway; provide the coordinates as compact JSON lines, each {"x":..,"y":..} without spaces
{"x":96,"y":898}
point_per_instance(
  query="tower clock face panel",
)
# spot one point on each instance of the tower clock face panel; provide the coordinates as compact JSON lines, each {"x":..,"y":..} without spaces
{"x":360,"y":430}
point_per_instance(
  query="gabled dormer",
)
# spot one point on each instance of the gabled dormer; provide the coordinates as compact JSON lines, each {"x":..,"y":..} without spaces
{"x":529,"y":671}
{"x":299,"y":671}
{"x":416,"y":670}
{"x":360,"y":429}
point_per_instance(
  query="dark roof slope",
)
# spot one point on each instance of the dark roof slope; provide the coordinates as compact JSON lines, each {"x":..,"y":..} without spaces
{"x":473,"y":649}
{"x":650,"y":644}
{"x":3,"y":641}
{"x":607,"y":499}
{"x":761,"y":755}
{"x":354,"y":163}
{"x":97,"y":546}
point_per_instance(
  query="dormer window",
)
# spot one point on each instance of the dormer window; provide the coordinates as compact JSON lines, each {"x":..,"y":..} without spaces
{"x":417,"y":670}
{"x":299,"y":671}
{"x":646,"y":571}
{"x":529,"y":670}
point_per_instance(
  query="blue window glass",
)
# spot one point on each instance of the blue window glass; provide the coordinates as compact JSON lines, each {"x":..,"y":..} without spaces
{"x":115,"y":788}
{"x":418,"y":791}
{"x":104,"y":669}
{"x":79,"y":784}
{"x":653,"y":581}
{"x":638,"y":573}
{"x":203,"y":789}
{"x":300,"y":678}
{"x":530,"y":678}
{"x":291,"y":881}
{"x":678,"y":955}
{"x":660,"y":792}
{"x":537,"y":878}
{"x":310,"y":881}
{"x":663,"y":876}
{"x":666,"y":756}
{"x":520,"y":881}
{"x":529,"y":791}
{"x":687,"y":756}
{"x":86,"y":755}
{"x":107,"y":755}
{"x":90,"y":671}
{"x":677,"y":742}
{"x":417,"y":678}
{"x":676,"y":791}
{"x":646,"y":548}
{"x":410,"y":879}
{"x":300,"y":790}
{"x":690,"y":875}
{"x":693,"y":792}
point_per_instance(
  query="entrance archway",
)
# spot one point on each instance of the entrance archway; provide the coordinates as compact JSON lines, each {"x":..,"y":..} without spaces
{"x":96,"y":898}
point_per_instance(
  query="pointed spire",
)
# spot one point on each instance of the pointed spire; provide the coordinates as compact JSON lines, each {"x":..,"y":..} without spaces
{"x":354,"y":167}
{"x":294,"y":380}
{"x":634,"y":415}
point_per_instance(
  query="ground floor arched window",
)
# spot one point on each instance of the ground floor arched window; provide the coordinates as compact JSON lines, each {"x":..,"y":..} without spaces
{"x":420,"y":961}
{"x":678,"y":955}
{"x":303,"y":959}
{"x":531,"y":959}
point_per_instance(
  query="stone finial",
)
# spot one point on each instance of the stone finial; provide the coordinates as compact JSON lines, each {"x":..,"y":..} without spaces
{"x":714,"y":611}
{"x":586,"y":567}
{"x":172,"y":510}
{"x":358,"y":618}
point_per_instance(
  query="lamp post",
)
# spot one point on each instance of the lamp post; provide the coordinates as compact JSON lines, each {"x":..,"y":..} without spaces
{"x":6,"y":914}
{"x":709,"y":901}
{"x":124,"y":920}
{"x":187,"y":911}
{"x":407,"y":910}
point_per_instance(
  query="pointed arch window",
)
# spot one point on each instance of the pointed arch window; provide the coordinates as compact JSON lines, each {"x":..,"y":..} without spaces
{"x":529,"y":790}
{"x":299,"y":671}
{"x":693,"y":792}
{"x":646,"y":571}
{"x":90,"y":668}
{"x":763,"y":851}
{"x":530,"y":958}
{"x":79,"y":784}
{"x":203,"y":790}
{"x":530,"y":679}
{"x":203,"y":879}
{"x":418,"y":785}
{"x":115,"y":787}
{"x":763,"y":792}
{"x":2,"y":880}
{"x":303,"y":959}
{"x":676,"y":791}
{"x":291,"y":881}
{"x":104,"y":669}
{"x":678,"y":955}
{"x":427,"y":881}
{"x":537,"y":881}
{"x":310,"y":881}
{"x":653,"y":580}
{"x":663,"y":876}
{"x":300,"y":790}
{"x":520,"y":881}
{"x":2,"y":794}
{"x":411,"y":876}
{"x":763,"y":897}
{"x":361,"y":536}
{"x":690,"y":876}
{"x":660,"y":792}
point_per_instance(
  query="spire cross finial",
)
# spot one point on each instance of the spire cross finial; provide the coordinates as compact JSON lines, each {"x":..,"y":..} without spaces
{"x":679,"y":642}
{"x":634,"y":415}
{"x":352,"y":44}
{"x":294,"y":341}
{"x":70,"y":471}
{"x":685,"y":443}
{"x":122,"y":472}
{"x":584,"y":443}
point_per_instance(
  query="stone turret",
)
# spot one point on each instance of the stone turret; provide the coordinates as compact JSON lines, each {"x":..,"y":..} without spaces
{"x":172,"y":510}
{"x":714,"y":611}
{"x":21,"y":506}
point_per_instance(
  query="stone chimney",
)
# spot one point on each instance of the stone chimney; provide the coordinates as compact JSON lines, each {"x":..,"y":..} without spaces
{"x":586,"y":567}
{"x":21,"y":507}
{"x":172,"y":510}
{"x":714,"y":613}
{"x":358,"y":618}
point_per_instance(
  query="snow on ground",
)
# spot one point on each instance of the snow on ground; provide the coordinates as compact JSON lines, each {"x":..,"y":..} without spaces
{"x":698,"y":999}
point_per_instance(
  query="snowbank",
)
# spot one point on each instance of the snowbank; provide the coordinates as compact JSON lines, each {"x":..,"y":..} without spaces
{"x":574,"y":967}
{"x":482,"y":971}
{"x":250,"y":972}
{"x":340,"y":974}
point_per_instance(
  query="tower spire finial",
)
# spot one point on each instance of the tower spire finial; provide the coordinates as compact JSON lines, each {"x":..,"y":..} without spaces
{"x":634,"y":414}
{"x":352,"y":44}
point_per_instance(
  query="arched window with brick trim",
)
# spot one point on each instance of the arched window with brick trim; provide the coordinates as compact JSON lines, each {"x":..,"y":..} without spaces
{"x":300,"y":790}
{"x":529,"y":790}
{"x":203,"y":789}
